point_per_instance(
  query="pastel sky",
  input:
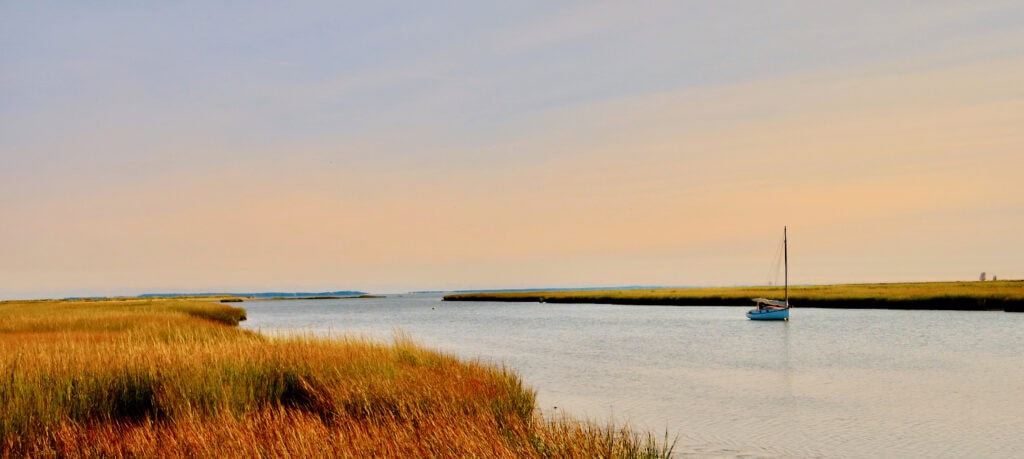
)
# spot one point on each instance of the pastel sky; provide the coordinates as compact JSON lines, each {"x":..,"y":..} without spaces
{"x":394,"y":146}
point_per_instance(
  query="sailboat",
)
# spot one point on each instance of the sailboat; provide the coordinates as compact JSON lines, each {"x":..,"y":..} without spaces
{"x":774,"y":309}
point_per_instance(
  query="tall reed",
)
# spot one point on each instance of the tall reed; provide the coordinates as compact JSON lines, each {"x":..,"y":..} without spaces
{"x":175,"y":377}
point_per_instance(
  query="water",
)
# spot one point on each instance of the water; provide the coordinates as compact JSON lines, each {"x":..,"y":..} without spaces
{"x":828,"y":383}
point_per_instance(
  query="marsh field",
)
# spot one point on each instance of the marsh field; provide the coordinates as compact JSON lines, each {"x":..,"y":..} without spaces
{"x":968,"y":296}
{"x":177,"y":377}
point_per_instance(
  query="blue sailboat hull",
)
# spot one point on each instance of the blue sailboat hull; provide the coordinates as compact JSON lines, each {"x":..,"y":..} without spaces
{"x":768,"y":314}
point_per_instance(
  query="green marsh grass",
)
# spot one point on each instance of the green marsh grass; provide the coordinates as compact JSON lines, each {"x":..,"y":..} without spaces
{"x":176,"y":377}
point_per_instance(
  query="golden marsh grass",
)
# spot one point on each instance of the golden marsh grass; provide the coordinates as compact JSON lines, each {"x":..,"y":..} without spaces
{"x":176,"y":377}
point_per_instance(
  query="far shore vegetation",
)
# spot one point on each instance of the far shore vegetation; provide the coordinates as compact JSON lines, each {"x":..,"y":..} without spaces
{"x":991,"y":295}
{"x":159,"y":377}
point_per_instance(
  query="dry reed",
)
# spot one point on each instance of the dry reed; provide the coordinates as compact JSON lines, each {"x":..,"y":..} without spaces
{"x":175,"y":377}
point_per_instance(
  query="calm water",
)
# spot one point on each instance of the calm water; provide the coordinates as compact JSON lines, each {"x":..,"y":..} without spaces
{"x":829,"y":383}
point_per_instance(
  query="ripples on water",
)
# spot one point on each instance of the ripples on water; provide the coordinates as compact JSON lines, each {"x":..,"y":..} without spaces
{"x":828,"y":383}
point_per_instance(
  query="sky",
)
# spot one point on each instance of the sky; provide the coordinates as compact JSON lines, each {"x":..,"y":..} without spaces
{"x":398,"y":146}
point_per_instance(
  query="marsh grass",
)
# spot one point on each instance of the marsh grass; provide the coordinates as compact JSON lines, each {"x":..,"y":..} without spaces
{"x":925,"y":295}
{"x":175,"y":377}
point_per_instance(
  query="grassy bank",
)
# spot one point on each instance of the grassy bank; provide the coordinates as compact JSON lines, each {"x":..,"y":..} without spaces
{"x":998,"y":295}
{"x":176,"y":377}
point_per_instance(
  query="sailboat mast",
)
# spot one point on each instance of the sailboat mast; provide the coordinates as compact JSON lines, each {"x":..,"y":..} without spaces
{"x":785,"y":255}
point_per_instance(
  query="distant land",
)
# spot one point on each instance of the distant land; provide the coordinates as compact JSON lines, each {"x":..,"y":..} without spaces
{"x":1003,"y":295}
{"x":556,"y":289}
{"x":288,"y":295}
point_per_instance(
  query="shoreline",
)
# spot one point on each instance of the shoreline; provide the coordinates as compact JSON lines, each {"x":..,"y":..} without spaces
{"x":942,"y":296}
{"x":951,"y":304}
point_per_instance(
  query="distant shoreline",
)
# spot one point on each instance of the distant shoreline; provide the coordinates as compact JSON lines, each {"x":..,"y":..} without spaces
{"x":960,"y":296}
{"x":261,"y":295}
{"x":320,"y":297}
